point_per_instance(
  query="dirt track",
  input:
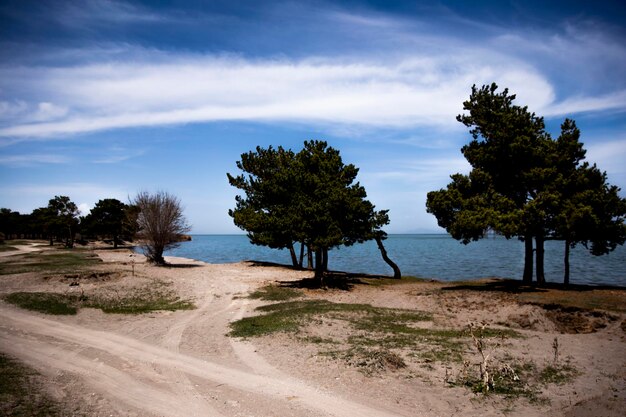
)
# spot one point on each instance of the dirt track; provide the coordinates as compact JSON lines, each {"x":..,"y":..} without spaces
{"x":139,"y":373}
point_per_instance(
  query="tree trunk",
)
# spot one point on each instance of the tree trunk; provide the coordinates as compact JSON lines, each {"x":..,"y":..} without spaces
{"x":325,"y":260}
{"x":294,"y":258}
{"x":528,"y":260}
{"x":566,"y":263}
{"x":301,"y":260}
{"x":392,"y":264}
{"x":319,"y":266}
{"x":309,"y":258}
{"x":539,"y":241}
{"x":114,"y":241}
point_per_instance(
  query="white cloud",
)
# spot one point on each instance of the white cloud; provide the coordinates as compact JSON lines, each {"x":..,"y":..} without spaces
{"x":610,"y":156}
{"x":415,"y":91}
{"x":32,"y":159}
{"x":580,"y":104}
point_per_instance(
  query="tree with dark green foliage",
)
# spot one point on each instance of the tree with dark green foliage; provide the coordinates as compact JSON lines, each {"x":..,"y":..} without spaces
{"x":12,"y":223}
{"x":310,"y":197}
{"x":268,"y":210}
{"x":584,"y":209}
{"x":107,"y":218}
{"x":525,"y":185}
{"x":64,"y":220}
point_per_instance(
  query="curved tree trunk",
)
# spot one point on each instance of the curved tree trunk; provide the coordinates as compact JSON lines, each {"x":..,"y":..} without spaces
{"x":528,"y":260}
{"x":539,"y":241}
{"x":392,"y":264}
{"x":566,"y":263}
{"x":294,"y":258}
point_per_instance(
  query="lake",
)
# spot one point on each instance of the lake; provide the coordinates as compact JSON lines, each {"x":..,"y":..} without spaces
{"x":436,"y":256}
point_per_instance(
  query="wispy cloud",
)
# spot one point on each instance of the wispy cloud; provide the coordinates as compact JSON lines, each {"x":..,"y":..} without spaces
{"x":409,"y":92}
{"x":33,"y":159}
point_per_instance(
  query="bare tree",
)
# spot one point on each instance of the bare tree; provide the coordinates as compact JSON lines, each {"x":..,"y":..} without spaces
{"x":161,"y":223}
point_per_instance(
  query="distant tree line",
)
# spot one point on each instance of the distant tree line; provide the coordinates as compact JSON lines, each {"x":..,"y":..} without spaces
{"x":61,"y":221}
{"x":157,"y":219}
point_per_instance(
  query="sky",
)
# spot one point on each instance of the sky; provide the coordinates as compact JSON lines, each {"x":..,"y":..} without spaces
{"x":103,"y":99}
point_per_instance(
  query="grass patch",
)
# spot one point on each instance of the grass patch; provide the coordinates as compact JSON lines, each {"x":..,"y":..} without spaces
{"x":20,"y":392}
{"x":373,"y":328}
{"x":275,"y":293}
{"x":52,"y":261}
{"x":138,"y":302}
{"x":558,"y":374}
{"x":5,"y":248}
{"x":48,"y":303}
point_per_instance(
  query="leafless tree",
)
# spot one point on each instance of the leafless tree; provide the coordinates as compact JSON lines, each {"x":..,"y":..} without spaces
{"x":161,"y":223}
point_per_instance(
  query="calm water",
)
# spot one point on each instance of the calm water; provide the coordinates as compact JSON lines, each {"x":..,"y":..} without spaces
{"x":430,"y":256}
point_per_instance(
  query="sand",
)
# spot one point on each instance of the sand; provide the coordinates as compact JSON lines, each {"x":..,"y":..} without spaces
{"x":183,"y":363}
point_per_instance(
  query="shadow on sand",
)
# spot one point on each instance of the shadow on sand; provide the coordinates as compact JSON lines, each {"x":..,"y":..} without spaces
{"x":518,"y":287}
{"x":338,"y":280}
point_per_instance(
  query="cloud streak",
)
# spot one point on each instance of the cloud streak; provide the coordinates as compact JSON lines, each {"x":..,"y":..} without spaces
{"x":415,"y":91}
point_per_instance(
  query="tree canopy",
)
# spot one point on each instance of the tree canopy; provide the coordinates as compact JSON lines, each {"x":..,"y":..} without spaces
{"x":309,"y":197}
{"x":524,"y":184}
{"x":63,"y":218}
{"x":107,"y":218}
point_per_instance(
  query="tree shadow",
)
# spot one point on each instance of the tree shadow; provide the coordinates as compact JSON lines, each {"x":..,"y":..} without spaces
{"x":518,"y":287}
{"x":336,"y":280}
{"x":180,"y":266}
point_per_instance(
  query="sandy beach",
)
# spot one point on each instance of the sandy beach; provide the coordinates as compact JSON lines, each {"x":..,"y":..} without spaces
{"x":184,"y":363}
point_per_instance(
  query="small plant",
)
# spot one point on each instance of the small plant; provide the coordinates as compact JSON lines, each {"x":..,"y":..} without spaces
{"x":371,"y":361}
{"x":555,"y":348}
{"x":486,"y":380}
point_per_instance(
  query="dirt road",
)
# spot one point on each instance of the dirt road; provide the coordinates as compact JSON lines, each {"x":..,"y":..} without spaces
{"x":171,"y":364}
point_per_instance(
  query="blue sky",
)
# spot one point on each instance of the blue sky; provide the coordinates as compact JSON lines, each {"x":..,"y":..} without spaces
{"x":102,"y":99}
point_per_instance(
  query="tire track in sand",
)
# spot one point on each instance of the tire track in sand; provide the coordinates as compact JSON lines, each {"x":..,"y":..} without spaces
{"x":181,"y":384}
{"x":279,"y":388}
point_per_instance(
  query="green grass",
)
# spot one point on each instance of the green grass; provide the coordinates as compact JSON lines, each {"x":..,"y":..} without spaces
{"x":5,"y":248}
{"x":139,"y":304}
{"x":372,"y":327}
{"x":558,"y":374}
{"x":144,"y":301}
{"x":53,"y":261}
{"x":275,"y":293}
{"x":21,"y":394}
{"x":48,"y":303}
